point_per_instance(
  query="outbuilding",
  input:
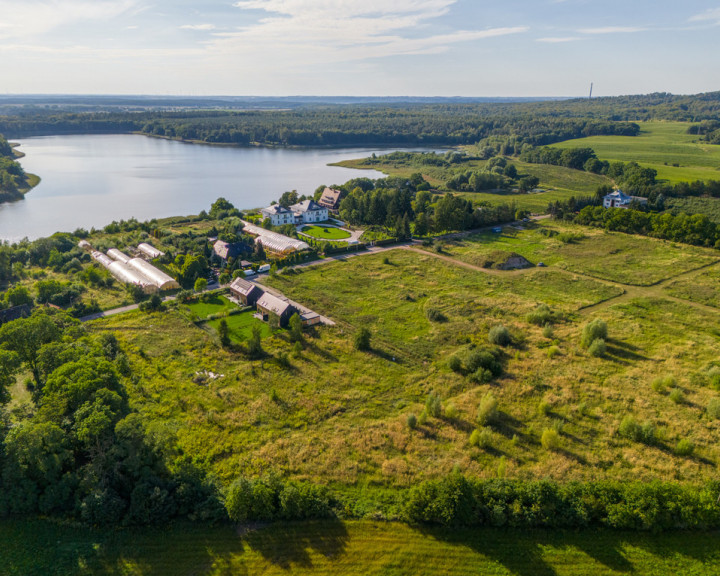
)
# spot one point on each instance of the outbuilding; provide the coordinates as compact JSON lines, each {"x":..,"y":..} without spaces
{"x":247,"y":292}
{"x":269,"y":305}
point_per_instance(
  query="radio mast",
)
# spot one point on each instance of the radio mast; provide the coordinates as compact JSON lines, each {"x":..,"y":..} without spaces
{"x":591,"y":87}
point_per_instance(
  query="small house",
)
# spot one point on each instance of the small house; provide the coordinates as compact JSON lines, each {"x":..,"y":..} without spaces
{"x":616,"y":200}
{"x":247,"y":292}
{"x":269,"y":305}
{"x":330,"y":199}
{"x":310,"y":318}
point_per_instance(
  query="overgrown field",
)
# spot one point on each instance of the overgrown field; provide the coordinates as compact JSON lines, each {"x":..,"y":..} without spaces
{"x":333,"y":414}
{"x":665,"y":146}
{"x":36,"y":548}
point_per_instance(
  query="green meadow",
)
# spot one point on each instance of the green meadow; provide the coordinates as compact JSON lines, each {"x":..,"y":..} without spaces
{"x":326,"y":233}
{"x":665,"y":146}
{"x":39,"y":548}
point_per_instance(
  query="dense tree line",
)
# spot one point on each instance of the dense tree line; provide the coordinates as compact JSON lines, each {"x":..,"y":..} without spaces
{"x":12,"y":176}
{"x":695,"y":229}
{"x":653,"y":506}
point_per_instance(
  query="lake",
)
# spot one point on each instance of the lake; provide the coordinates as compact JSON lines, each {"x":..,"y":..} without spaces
{"x":90,"y":180}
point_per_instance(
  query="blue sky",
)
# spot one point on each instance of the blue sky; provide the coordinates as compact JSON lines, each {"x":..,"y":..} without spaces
{"x":359,"y":47}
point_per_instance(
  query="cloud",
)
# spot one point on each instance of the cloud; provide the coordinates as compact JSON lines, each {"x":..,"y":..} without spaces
{"x":712,"y":15}
{"x":558,"y":40}
{"x":198,"y":27}
{"x":31,"y":18}
{"x":325,"y":31}
{"x":612,"y":30}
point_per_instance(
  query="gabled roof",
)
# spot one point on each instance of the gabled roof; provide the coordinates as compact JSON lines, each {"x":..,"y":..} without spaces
{"x":306,"y":206}
{"x":330,"y":198}
{"x":226,"y":250}
{"x":275,"y":209}
{"x":243,"y":287}
{"x":273,"y":304}
{"x":618,"y":194}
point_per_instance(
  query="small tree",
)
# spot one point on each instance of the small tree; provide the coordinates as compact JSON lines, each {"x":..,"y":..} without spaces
{"x":362,"y":339}
{"x":487,"y":411}
{"x":499,"y":335}
{"x":224,"y":332}
{"x":254,"y":345}
{"x":295,"y":325}
{"x":594,"y":330}
{"x":200,"y":285}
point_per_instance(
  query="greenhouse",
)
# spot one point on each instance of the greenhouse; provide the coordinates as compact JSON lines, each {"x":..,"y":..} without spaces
{"x":157,"y":277}
{"x":115,"y":254}
{"x":149,"y":250}
{"x":275,"y":242}
{"x":101,"y":258}
{"x":128,"y":275}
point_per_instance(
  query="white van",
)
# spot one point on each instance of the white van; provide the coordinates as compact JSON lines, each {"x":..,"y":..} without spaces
{"x":264,"y":268}
{"x":250,"y":272}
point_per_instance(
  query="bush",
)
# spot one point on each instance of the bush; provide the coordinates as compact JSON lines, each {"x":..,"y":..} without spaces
{"x":548,"y":331}
{"x":645,"y":433}
{"x":488,"y":410}
{"x":684,"y":447}
{"x":434,"y":315}
{"x":362,"y":339}
{"x":455,"y":364}
{"x":597,"y":348}
{"x":541,"y":316}
{"x":499,"y":335}
{"x":482,"y":438}
{"x":483,"y":358}
{"x":412,"y":421}
{"x":661,"y":384}
{"x":550,"y":439}
{"x":552,"y":352}
{"x":677,"y":396}
{"x":594,"y":330}
{"x":451,"y":411}
{"x":713,"y":408}
{"x":433,"y":406}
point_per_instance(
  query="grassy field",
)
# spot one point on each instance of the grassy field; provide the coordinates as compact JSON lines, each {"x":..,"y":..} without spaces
{"x":557,"y":182}
{"x":703,"y":288}
{"x":692,"y":205}
{"x":616,"y":257}
{"x":323,"y":233}
{"x":660,"y":145}
{"x":216,"y":304}
{"x":37,"y":548}
{"x":332,"y":414}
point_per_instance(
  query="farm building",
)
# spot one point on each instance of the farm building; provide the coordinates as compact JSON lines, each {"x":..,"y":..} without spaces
{"x":330,"y":199}
{"x":227,"y":250}
{"x":275,"y":242}
{"x":149,"y":250}
{"x":269,"y":305}
{"x":85,"y":245}
{"x":309,"y":211}
{"x":310,"y":318}
{"x":157,"y":277}
{"x":618,"y":199}
{"x":247,"y":292}
{"x":116,"y":254}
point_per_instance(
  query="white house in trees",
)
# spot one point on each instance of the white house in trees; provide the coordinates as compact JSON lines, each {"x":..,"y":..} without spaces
{"x":309,"y":211}
{"x":619,"y":200}
{"x":279,"y":215}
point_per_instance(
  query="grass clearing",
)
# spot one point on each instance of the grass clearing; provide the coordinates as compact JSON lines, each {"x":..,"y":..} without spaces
{"x":326,"y":232}
{"x":240,"y":326}
{"x":215,"y":304}
{"x":34,"y":548}
{"x":703,"y":288}
{"x":659,"y":145}
{"x":612,"y":256}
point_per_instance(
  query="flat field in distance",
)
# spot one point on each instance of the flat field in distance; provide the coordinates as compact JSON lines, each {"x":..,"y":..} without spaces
{"x":39,"y":548}
{"x":336,"y":415}
{"x":659,"y":145}
{"x":557,"y":182}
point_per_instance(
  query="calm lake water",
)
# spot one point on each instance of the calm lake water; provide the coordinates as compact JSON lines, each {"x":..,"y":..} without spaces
{"x":91,"y":180}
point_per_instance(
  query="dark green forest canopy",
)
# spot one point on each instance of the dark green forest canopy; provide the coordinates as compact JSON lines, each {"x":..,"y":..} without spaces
{"x":535,"y":123}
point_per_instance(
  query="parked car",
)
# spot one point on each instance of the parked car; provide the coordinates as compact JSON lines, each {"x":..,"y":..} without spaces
{"x":541,"y":264}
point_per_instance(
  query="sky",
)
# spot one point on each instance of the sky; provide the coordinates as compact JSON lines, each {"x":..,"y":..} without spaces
{"x":359,"y":47}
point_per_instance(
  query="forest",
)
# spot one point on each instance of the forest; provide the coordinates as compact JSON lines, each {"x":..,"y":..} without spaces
{"x":12,"y":176}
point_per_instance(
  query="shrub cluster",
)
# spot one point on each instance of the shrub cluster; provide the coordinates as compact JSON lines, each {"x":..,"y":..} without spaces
{"x":656,"y":506}
{"x":271,"y":499}
{"x":479,"y":364}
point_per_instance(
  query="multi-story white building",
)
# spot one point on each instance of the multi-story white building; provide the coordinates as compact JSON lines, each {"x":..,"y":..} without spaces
{"x":279,"y":215}
{"x":309,"y":211}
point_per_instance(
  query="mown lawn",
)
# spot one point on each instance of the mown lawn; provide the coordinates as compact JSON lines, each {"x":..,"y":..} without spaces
{"x":659,"y":145}
{"x":326,"y":233}
{"x":38,"y":548}
{"x":240,"y":326}
{"x":215,"y":304}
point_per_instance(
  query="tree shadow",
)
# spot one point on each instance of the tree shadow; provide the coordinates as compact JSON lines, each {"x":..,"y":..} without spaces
{"x":289,"y":544}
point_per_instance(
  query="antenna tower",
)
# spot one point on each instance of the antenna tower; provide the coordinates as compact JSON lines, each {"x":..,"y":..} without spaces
{"x":591,"y":87}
